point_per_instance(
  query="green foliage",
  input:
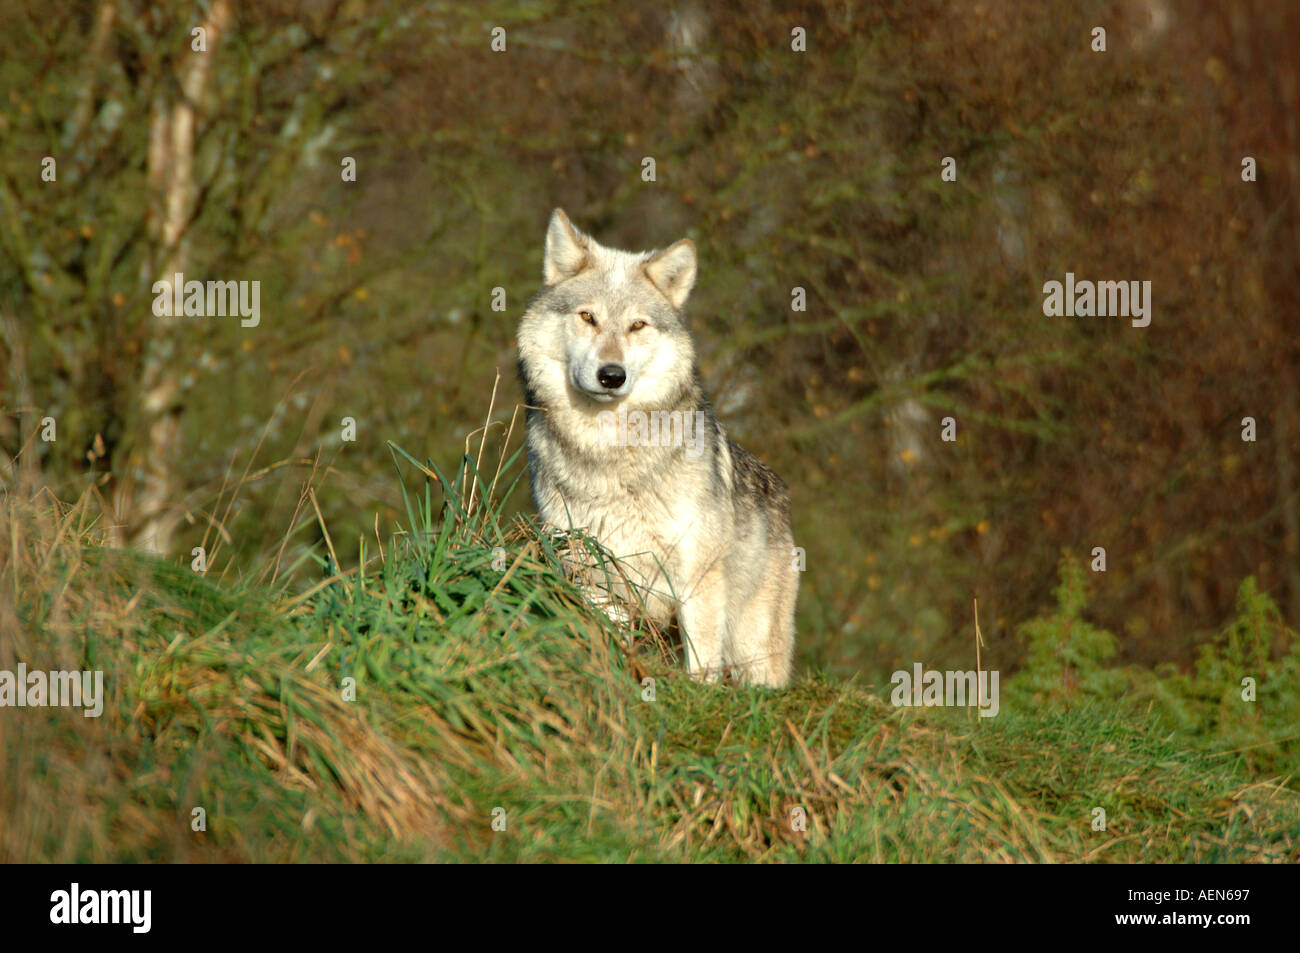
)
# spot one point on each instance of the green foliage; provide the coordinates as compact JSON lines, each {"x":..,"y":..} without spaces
{"x":1249,"y":640}
{"x":1256,"y":645}
{"x":1066,"y":652}
{"x":1066,"y":656}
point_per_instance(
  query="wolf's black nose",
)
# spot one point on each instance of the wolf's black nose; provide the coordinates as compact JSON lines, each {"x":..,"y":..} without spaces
{"x":611,"y":376}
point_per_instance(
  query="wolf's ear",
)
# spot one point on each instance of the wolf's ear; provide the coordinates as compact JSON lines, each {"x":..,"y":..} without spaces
{"x":566,"y":249}
{"x":672,"y":271}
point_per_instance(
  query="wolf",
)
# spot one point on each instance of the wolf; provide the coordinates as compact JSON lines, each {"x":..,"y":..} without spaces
{"x":700,"y":527}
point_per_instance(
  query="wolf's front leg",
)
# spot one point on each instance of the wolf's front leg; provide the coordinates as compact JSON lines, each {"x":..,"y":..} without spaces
{"x":703,"y":619}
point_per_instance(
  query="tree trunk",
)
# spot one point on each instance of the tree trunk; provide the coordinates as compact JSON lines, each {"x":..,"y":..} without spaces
{"x":146,"y":503}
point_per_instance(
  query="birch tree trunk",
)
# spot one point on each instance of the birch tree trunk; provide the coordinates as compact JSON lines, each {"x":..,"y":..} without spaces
{"x":146,"y":502}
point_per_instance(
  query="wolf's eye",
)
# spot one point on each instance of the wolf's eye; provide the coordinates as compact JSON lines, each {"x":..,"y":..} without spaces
{"x":637,"y":325}
{"x":588,"y":317}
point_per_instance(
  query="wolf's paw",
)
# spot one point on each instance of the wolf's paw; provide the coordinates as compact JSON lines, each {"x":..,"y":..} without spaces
{"x":616,"y":611}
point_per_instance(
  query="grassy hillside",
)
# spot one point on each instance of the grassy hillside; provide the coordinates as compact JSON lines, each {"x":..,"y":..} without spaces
{"x":485,"y":687}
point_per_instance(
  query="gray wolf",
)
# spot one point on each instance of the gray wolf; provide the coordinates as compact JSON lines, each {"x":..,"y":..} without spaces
{"x":624,"y":446}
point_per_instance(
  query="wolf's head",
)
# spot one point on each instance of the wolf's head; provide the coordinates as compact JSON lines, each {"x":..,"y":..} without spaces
{"x":607,"y":325}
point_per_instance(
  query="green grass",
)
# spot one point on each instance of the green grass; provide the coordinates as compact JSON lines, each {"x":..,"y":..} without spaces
{"x":483,"y":680}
